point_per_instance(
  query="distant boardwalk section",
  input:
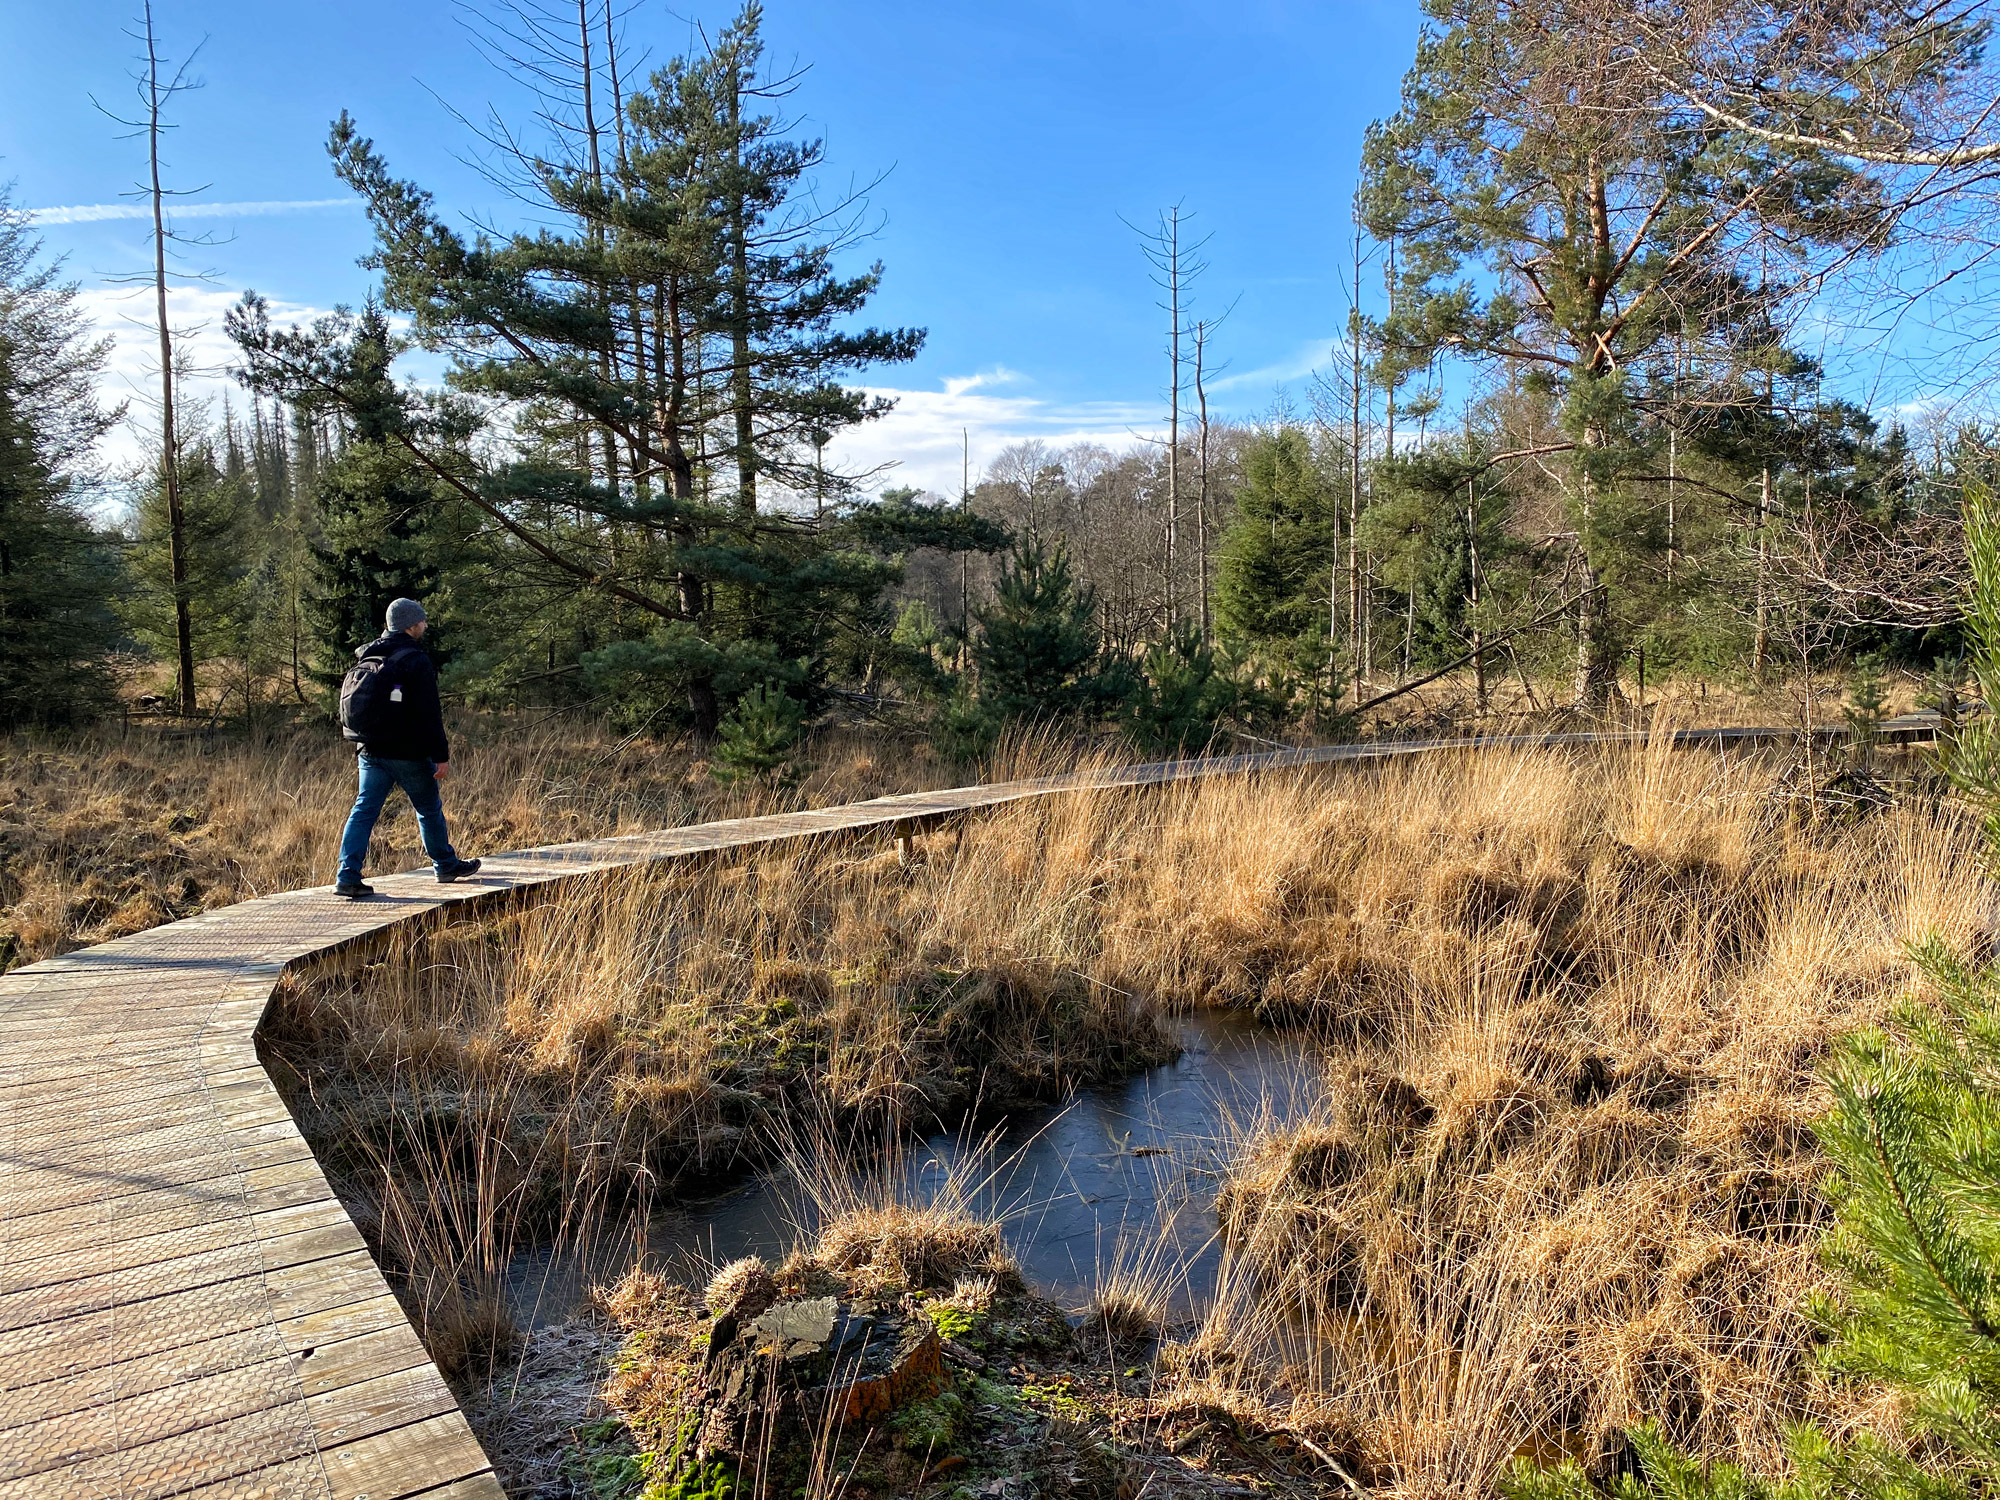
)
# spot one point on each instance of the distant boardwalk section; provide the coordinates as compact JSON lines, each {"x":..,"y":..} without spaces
{"x":185,"y":1308}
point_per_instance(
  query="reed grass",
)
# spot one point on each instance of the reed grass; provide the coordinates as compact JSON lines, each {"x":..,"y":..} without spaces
{"x":1563,"y":1177}
{"x":1570,"y":1006}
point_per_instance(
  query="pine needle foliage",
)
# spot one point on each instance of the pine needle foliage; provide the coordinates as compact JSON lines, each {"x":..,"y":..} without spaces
{"x":1038,"y":647}
{"x":1915,"y":1131}
{"x":757,"y":738}
{"x":1182,"y":697}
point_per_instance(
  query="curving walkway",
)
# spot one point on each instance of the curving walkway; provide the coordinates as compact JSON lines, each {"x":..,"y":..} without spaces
{"x":185,"y":1309}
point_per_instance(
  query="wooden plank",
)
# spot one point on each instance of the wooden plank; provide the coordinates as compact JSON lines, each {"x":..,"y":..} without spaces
{"x":227,"y":1261}
{"x":323,"y":1352}
{"x":38,"y":1192}
{"x":62,"y":1230}
{"x":398,"y":1434}
{"x":481,"y":1487}
{"x":90,"y":1251}
{"x":80,"y":1439}
{"x":174,"y":1368}
{"x":157,"y":1094}
{"x":361,"y":1387}
{"x":296,"y":1290}
{"x":349,"y":1320}
{"x":279,"y":1481}
{"x":405,"y":1461}
{"x":64,"y":1347}
{"x":169,"y":1465}
{"x":138,"y":1141}
{"x":351,"y":1413}
{"x":335,"y":1365}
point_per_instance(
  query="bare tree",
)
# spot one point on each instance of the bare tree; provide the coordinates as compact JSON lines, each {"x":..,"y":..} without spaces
{"x":1201,"y":332}
{"x":158,"y":89}
{"x":1176,"y":264}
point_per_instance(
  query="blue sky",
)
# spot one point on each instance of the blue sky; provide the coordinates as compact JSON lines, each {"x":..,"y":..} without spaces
{"x":1014,"y":138}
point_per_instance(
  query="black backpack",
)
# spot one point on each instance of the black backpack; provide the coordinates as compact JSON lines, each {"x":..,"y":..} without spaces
{"x":373,"y":706}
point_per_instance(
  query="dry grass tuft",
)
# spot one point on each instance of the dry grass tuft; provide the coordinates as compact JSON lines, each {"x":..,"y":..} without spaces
{"x":890,"y":1229}
{"x":469,"y":1336}
{"x":1125,"y":1314}
{"x":744,"y":1286}
{"x":1564,"y":1176}
{"x":917,"y":1248}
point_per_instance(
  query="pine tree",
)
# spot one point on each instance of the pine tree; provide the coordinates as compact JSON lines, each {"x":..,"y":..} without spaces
{"x":758,"y":737}
{"x":1434,"y":512}
{"x":1277,"y":557}
{"x":382,"y":526}
{"x":57,"y":576}
{"x":695,"y":318}
{"x":1036,"y":650}
{"x":219,"y":544}
{"x":1609,"y":217}
{"x":1183,"y":696}
{"x":377,"y":542}
{"x":58,"y":573}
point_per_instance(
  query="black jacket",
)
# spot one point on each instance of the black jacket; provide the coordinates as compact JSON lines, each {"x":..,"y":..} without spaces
{"x":422,"y":737}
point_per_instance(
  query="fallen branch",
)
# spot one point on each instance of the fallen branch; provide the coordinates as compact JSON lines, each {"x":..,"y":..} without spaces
{"x":1452,"y":666}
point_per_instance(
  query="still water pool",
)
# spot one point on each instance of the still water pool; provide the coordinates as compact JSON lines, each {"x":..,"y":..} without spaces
{"x":1122,"y":1177}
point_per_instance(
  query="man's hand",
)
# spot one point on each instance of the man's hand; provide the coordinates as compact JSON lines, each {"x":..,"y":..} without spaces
{"x":441,"y":770}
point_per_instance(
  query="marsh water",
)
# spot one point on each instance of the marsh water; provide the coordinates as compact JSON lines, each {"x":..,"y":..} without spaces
{"x":1122,"y":1177}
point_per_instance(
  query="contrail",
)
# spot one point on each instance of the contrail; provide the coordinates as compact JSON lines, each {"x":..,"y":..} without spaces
{"x":91,"y":213}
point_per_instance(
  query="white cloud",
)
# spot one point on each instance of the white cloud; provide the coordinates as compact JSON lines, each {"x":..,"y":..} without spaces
{"x":195,"y":314}
{"x":923,"y":442}
{"x":920,"y":443}
{"x":93,"y":213}
{"x":1308,"y":357}
{"x":958,"y":385}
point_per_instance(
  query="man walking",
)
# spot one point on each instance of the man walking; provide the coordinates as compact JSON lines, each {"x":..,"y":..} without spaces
{"x":389,"y":707}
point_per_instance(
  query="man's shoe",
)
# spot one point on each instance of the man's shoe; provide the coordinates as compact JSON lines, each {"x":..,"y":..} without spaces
{"x":353,"y":890}
{"x":458,"y":869}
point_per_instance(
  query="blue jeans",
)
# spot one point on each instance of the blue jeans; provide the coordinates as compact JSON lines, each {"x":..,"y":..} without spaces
{"x":379,"y":776}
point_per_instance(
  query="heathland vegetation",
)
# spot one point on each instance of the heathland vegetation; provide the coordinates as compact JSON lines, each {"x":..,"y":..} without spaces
{"x":1640,"y":1139}
{"x":1565,"y":1019}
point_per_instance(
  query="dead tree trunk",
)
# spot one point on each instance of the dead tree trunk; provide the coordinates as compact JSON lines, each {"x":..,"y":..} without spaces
{"x":170,"y":465}
{"x":1201,"y":471}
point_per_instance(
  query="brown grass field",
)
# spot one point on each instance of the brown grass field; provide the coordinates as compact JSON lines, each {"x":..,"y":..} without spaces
{"x":1570,"y":1006}
{"x":1561,"y":1175}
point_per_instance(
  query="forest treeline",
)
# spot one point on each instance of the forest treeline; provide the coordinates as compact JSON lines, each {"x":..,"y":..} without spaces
{"x":1571,"y":439}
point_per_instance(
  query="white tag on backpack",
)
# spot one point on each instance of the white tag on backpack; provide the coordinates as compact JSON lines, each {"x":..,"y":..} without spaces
{"x":395,"y":695}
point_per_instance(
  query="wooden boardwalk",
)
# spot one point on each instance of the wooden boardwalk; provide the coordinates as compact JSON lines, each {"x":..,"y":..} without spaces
{"x":185,"y":1309}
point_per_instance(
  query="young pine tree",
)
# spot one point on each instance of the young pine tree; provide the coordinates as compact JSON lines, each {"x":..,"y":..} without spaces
{"x":1037,"y":646}
{"x":758,"y":738}
{"x":1183,"y":696}
{"x":1278,"y":554}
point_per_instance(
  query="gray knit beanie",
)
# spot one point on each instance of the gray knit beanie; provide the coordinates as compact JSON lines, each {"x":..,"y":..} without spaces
{"x":404,"y":613}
